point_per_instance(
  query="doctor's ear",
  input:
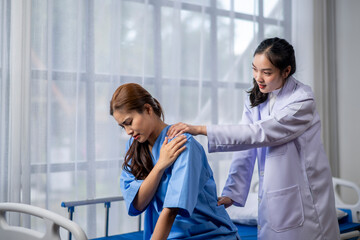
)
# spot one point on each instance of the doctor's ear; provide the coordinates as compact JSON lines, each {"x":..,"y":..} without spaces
{"x":286,"y":72}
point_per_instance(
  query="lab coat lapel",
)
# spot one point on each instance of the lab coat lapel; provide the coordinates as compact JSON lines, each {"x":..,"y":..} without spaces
{"x":282,"y":99}
{"x":264,"y":109}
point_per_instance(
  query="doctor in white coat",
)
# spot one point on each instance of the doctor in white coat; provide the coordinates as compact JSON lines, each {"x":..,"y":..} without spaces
{"x":281,"y":128}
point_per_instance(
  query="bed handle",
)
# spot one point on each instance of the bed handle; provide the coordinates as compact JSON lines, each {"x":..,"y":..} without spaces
{"x":349,"y":235}
{"x":355,"y":208}
{"x":52,"y":220}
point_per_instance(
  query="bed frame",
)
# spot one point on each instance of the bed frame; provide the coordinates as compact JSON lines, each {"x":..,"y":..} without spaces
{"x":349,"y":225}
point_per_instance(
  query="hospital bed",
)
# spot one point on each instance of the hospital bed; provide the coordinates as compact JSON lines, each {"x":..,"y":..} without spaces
{"x":349,"y":222}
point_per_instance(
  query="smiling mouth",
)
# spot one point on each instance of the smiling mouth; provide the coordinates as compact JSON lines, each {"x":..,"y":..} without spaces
{"x":261,"y":86}
{"x":136,"y":137}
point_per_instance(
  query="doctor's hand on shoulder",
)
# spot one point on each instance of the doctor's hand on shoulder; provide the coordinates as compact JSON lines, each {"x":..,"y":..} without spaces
{"x":226,"y":201}
{"x":180,"y":128}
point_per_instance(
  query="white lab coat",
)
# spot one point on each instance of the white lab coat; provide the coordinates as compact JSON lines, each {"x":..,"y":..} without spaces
{"x":296,"y":198}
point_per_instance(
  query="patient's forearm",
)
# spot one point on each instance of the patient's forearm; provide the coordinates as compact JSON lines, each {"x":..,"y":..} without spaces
{"x":164,"y":223}
{"x":148,"y":188}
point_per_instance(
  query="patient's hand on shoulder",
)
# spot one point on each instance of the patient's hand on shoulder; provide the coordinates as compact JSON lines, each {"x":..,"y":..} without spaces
{"x":226,"y":201}
{"x":180,"y":128}
{"x":170,"y":151}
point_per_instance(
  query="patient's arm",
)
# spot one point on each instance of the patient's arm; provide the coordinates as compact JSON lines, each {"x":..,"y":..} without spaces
{"x":168,"y":154}
{"x":164,"y":223}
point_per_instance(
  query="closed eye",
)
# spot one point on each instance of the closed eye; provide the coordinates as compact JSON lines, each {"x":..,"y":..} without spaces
{"x":127,"y":122}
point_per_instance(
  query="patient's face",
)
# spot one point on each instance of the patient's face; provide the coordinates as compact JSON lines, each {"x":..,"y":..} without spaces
{"x":138,"y":125}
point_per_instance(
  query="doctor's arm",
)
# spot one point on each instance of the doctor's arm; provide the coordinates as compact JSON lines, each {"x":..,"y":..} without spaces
{"x":240,"y":173}
{"x":168,"y":154}
{"x":284,"y":126}
{"x":164,"y":223}
{"x":180,"y":128}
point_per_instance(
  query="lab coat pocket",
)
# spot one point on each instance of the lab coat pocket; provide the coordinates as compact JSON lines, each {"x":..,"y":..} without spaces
{"x":276,"y":150}
{"x":285,"y":209}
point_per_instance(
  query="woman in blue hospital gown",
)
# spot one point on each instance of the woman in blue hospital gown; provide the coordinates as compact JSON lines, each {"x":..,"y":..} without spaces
{"x":280,"y":128}
{"x":178,"y":194}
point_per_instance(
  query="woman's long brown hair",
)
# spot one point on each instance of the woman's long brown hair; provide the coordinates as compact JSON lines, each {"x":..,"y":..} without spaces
{"x":132,"y":97}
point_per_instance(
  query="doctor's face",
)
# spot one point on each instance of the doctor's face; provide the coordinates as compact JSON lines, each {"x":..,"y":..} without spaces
{"x":137,"y":125}
{"x":267,"y":76}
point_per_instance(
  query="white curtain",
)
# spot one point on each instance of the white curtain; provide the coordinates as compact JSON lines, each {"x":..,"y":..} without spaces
{"x":68,"y":57}
{"x":4,"y":97}
{"x":14,"y":68}
{"x":314,"y":39}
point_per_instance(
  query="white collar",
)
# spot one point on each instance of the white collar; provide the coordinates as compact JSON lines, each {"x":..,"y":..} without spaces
{"x":275,"y":92}
{"x":272,"y":98}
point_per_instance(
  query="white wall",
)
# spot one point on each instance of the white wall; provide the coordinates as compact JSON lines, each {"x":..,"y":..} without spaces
{"x":348,"y":77}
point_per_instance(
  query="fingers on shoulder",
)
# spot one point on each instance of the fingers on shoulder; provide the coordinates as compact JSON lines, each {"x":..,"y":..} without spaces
{"x":180,"y":150}
{"x":165,"y":140}
{"x":180,"y":141}
{"x":180,"y":138}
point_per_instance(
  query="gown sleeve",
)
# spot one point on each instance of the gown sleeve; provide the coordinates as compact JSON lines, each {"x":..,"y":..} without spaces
{"x":129,"y":188}
{"x":241,"y":169}
{"x":186,"y":178}
{"x":285,"y":125}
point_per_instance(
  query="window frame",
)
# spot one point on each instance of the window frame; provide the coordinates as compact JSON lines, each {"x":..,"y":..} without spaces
{"x":90,"y":77}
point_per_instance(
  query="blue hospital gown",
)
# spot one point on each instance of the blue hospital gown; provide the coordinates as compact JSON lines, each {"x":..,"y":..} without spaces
{"x":188,"y":185}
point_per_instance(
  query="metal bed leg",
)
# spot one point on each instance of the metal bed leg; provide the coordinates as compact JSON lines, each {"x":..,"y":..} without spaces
{"x":71,"y":212}
{"x":107,"y":207}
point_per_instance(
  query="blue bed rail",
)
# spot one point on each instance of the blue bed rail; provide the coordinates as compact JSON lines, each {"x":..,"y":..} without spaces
{"x":107,"y":204}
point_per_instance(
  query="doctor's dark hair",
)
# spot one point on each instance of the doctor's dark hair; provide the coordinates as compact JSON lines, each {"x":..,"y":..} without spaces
{"x":132,"y":97}
{"x":281,"y":54}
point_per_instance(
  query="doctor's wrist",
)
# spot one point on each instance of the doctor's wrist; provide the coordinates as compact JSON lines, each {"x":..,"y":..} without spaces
{"x":201,"y":130}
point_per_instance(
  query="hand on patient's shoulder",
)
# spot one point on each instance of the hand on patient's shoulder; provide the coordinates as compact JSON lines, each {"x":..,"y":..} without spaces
{"x":180,"y":128}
